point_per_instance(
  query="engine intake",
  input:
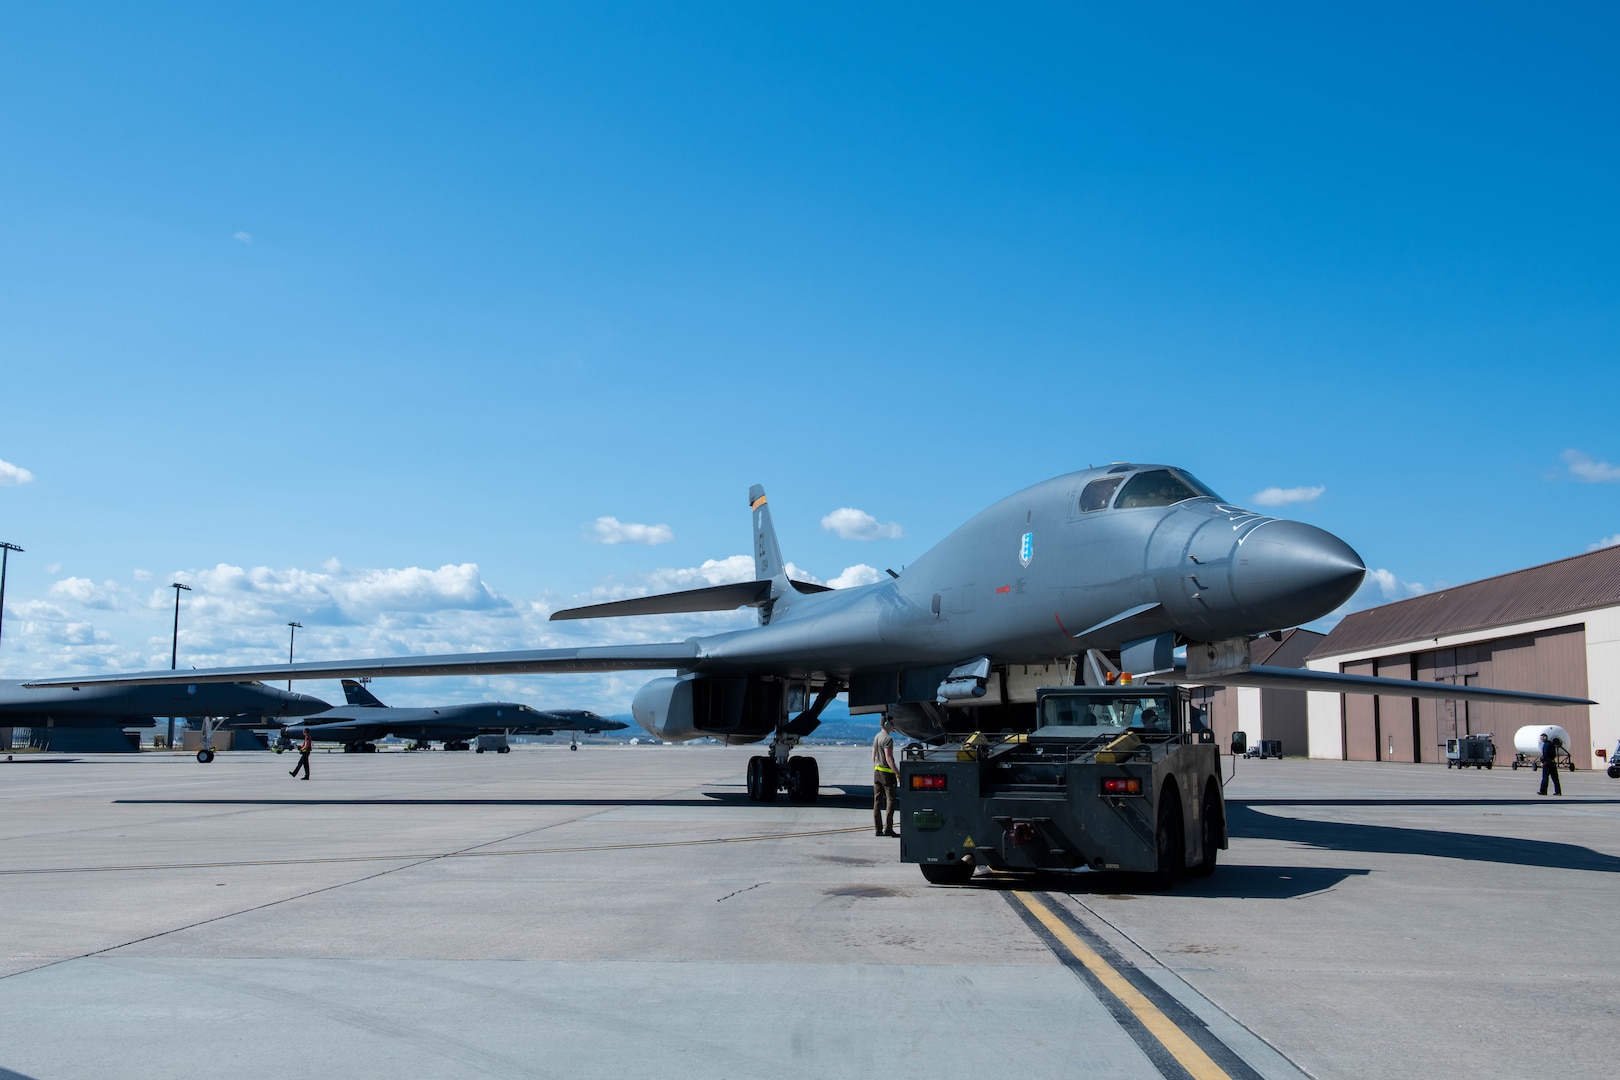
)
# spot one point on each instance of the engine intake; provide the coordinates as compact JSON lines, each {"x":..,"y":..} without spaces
{"x":733,"y":710}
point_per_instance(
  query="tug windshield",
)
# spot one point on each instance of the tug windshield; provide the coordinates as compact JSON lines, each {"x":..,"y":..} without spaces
{"x":1091,"y":716}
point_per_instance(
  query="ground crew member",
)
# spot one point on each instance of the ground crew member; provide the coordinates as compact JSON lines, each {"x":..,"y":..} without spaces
{"x":885,"y":780}
{"x":1549,"y":764}
{"x":303,"y":755}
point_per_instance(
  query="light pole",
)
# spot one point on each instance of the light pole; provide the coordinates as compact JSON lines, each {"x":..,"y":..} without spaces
{"x":5,"y":553}
{"x":174,"y":649}
{"x":292,"y":635}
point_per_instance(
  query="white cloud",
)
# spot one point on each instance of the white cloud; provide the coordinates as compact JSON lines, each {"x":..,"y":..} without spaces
{"x":1584,"y":467}
{"x":1392,"y":587}
{"x":852,"y":524}
{"x":14,"y":475}
{"x":335,"y":595}
{"x":1276,"y":496}
{"x":712,"y":572}
{"x":142,"y":575}
{"x":859,"y":574}
{"x":610,"y":530}
{"x":86,"y":593}
{"x":1606,"y":542}
{"x":243,"y":237}
{"x":53,"y":568}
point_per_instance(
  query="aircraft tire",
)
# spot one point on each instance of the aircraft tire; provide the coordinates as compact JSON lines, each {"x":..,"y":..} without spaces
{"x":956,"y":873}
{"x":204,"y":756}
{"x":804,"y":780}
{"x":769,"y":779}
{"x":1169,"y":848}
{"x":1210,"y":825}
{"x":573,"y":746}
{"x":752,"y":783}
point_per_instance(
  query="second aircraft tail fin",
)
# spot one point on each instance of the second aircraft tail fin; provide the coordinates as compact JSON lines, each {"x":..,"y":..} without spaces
{"x":359,"y":696}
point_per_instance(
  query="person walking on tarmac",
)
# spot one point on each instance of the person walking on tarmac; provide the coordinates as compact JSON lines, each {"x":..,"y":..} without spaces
{"x":303,"y":755}
{"x":1549,"y":764}
{"x":885,"y":780}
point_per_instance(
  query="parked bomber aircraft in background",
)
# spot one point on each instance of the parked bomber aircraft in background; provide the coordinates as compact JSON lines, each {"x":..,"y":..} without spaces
{"x":93,"y":717}
{"x":1121,"y":564}
{"x":359,"y":724}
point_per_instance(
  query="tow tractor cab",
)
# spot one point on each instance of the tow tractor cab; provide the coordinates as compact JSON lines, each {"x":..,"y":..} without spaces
{"x":1110,"y":778}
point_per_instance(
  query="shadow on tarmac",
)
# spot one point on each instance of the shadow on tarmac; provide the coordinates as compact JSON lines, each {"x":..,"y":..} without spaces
{"x":1230,"y":882}
{"x":1243,"y":820}
{"x":840,"y":798}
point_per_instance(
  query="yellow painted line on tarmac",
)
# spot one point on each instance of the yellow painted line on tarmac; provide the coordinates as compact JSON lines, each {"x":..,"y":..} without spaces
{"x":408,"y":857}
{"x":1186,"y":1052}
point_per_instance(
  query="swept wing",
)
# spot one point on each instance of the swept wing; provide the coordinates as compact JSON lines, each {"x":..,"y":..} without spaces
{"x":1280,"y":678}
{"x":596,"y":658}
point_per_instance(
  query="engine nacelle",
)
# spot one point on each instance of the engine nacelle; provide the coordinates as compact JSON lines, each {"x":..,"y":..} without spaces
{"x":733,"y":710}
{"x":663,"y":708}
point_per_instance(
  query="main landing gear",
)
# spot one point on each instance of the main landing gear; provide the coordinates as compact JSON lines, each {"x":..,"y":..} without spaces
{"x":778,"y":771}
{"x":359,"y":748}
{"x":769,"y":774}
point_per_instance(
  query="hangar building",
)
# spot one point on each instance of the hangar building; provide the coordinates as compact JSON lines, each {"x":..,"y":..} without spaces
{"x":1553,"y":629}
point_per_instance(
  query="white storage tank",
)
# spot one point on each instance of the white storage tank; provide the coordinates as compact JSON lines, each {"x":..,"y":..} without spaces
{"x":1527,"y":740}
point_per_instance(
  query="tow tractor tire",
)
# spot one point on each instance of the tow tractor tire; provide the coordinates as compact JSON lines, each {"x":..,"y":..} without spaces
{"x":803,"y":780}
{"x":1170,"y":850}
{"x":1209,"y":821}
{"x":504,"y":750}
{"x":956,"y":873}
{"x":1614,"y":772}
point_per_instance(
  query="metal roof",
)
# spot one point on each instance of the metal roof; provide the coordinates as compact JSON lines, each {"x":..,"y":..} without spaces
{"x":1580,"y":583}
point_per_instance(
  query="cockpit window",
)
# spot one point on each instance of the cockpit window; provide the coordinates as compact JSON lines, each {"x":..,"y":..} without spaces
{"x":1161,"y":487}
{"x":1097,"y":493}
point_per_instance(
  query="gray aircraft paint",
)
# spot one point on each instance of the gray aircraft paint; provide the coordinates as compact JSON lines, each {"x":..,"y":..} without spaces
{"x":1030,"y":580}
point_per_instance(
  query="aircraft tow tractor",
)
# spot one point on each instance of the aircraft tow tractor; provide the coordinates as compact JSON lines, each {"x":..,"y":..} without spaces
{"x":1110,"y":778}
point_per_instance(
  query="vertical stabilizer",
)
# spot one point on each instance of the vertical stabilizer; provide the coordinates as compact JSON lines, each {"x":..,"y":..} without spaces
{"x":359,"y":696}
{"x":768,"y":564}
{"x":767,"y":555}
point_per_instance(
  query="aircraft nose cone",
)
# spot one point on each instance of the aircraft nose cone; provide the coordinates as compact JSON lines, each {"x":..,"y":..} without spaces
{"x":1285,"y":573}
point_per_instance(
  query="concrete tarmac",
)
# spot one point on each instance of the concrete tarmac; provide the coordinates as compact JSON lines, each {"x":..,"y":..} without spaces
{"x":627,"y":912}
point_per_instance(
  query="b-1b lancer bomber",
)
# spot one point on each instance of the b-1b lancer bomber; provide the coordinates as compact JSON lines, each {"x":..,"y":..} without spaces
{"x":93,"y":717}
{"x":1124,"y":563}
{"x":364,"y":720}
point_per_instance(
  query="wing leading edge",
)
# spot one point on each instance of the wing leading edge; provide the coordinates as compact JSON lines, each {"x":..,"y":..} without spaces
{"x":1279,"y":678}
{"x":595,"y":658}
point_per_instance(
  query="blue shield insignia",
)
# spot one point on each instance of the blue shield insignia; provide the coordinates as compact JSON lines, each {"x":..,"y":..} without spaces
{"x":1027,"y":551}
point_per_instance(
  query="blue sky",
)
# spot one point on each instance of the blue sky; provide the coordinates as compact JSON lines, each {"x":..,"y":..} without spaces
{"x":364,"y":317}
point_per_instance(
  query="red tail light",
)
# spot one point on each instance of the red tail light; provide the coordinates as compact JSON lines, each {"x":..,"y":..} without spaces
{"x":1122,"y":785}
{"x":927,"y":782}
